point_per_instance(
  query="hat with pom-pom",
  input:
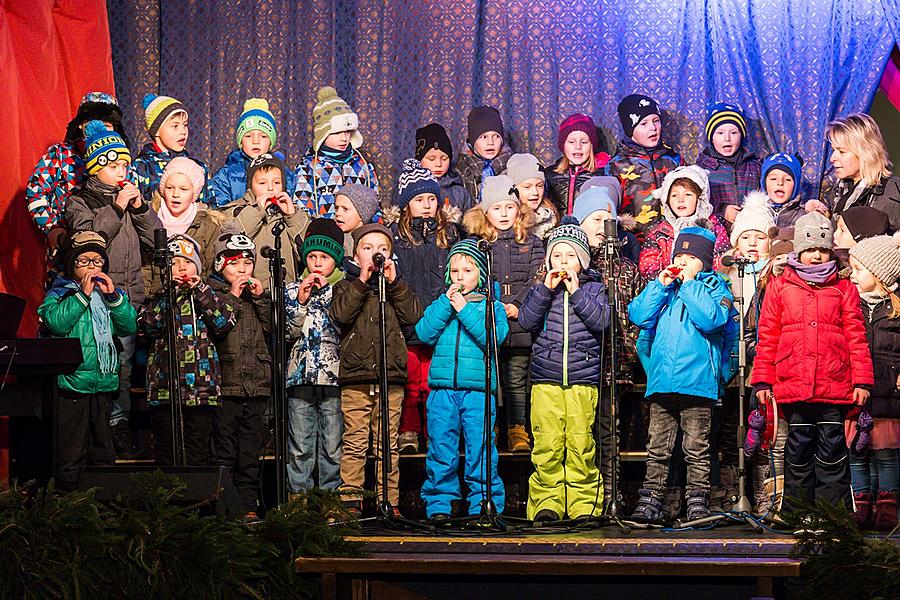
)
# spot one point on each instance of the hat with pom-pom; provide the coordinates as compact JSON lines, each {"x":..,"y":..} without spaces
{"x":571,"y":233}
{"x":755,"y":215}
{"x":414,"y":180}
{"x":333,"y":115}
{"x":256,"y":117}
{"x":157,"y":109}
{"x":881,"y":256}
{"x":102,"y":147}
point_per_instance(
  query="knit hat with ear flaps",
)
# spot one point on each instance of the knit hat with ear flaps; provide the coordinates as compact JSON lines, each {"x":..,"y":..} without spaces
{"x":468,"y":247}
{"x":881,"y":256}
{"x":570,"y":233}
{"x":333,"y":115}
{"x":256,"y":116}
{"x":84,"y":241}
{"x":157,"y":109}
{"x":754,"y":216}
{"x":231,"y":245}
{"x":813,"y":230}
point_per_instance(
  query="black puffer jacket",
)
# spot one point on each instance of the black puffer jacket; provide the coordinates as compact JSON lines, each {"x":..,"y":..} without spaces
{"x":560,"y":188}
{"x":883,"y":334}
{"x":515,"y":267}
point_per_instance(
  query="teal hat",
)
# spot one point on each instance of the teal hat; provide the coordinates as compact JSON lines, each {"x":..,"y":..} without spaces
{"x":469,"y":247}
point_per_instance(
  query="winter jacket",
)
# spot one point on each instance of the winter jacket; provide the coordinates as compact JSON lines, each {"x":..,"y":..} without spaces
{"x":57,"y":173}
{"x":315,"y":354}
{"x":318,"y":178}
{"x":471,"y":167}
{"x":883,"y":335}
{"x":150,"y":164}
{"x":812,"y":341}
{"x":257,"y":224}
{"x":685,"y":343}
{"x":563,"y":188}
{"x":731,"y":178}
{"x":422,"y":264}
{"x":545,"y":219}
{"x":515,"y":267}
{"x":66,"y":312}
{"x":627,"y":284}
{"x":884,"y":195}
{"x":92,"y":208}
{"x":244,"y":356}
{"x":460,"y":341}
{"x":786,"y":215}
{"x":640,"y":171}
{"x":569,"y":329}
{"x":230,"y":181}
{"x":454,"y":193}
{"x":202,"y":316}
{"x":355,"y":312}
{"x":656,"y":251}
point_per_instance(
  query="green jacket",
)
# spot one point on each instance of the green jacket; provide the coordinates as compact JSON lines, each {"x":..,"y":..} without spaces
{"x":66,"y":312}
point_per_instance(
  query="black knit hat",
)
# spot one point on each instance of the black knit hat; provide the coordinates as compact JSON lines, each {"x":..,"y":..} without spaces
{"x":325,"y":236}
{"x":633,"y":109}
{"x":864,"y":222}
{"x":432,"y":137}
{"x":481,"y":120}
{"x":275,"y":159}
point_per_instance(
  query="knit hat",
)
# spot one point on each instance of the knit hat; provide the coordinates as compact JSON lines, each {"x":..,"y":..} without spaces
{"x":791,"y":164}
{"x":865,"y":222}
{"x":85,"y":241}
{"x":570,"y":233}
{"x":813,"y":230}
{"x":266,"y":160}
{"x":721,"y":113}
{"x":325,"y":236}
{"x":414,"y":180}
{"x":693,"y":173}
{"x":592,"y":200}
{"x":498,"y":189}
{"x":754,"y":216}
{"x":635,"y":108}
{"x":256,"y":117}
{"x":612,"y":185}
{"x":881,"y":256}
{"x":699,"y":242}
{"x":577,"y":122}
{"x":98,"y":106}
{"x":332,"y":115}
{"x":522,"y":167}
{"x":433,"y":136}
{"x":102,"y":147}
{"x":187,"y":247}
{"x":231,"y":245}
{"x":187,"y":167}
{"x":368,"y":228}
{"x":469,"y":247}
{"x":99,"y":98}
{"x":159,"y":108}
{"x":481,"y":120}
{"x":363,"y":198}
{"x":782,"y":241}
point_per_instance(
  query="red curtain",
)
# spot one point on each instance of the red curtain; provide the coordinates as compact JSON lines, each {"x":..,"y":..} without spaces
{"x":51,"y":54}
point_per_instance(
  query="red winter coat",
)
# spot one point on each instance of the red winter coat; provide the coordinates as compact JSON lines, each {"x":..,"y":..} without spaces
{"x":812,"y":341}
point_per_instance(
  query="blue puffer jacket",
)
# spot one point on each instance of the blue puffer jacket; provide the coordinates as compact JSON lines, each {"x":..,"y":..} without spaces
{"x":552,"y":314}
{"x":148,"y":168}
{"x":230,"y":182}
{"x":454,"y":193}
{"x":459,"y":341}
{"x":515,"y":267}
{"x":687,"y":335}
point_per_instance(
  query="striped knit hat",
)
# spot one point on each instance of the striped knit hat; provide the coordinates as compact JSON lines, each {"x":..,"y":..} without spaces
{"x":469,"y":247}
{"x":159,"y":108}
{"x":570,"y":233}
{"x":102,"y":147}
{"x":881,"y":256}
{"x":256,"y":117}
{"x":414,"y":180}
{"x":720,"y":113}
{"x":332,"y":115}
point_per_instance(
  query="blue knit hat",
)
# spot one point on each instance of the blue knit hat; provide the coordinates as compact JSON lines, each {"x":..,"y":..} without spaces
{"x":102,"y":147}
{"x":720,"y":113}
{"x":469,"y":247}
{"x":414,"y":180}
{"x":593,"y":199}
{"x":698,"y":242}
{"x":789,"y":163}
{"x":256,"y":117}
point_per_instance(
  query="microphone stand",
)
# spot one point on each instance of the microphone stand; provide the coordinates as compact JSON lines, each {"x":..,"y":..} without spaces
{"x":488,"y":514}
{"x":385,"y":510}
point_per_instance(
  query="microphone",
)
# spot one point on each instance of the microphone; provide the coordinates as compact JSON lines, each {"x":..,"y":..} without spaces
{"x":160,"y":241}
{"x":609,"y":230}
{"x":728,"y":261}
{"x":484,"y":246}
{"x":267,"y":252}
{"x":378,"y":260}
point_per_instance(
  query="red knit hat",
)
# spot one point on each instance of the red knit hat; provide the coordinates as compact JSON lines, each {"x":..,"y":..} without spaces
{"x":577,"y":122}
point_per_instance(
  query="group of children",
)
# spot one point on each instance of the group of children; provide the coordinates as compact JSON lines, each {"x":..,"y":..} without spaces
{"x":551,"y":277}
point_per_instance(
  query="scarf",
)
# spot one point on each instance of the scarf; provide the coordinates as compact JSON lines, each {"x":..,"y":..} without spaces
{"x":180,"y":224}
{"x":101,"y":322}
{"x":854,"y":196}
{"x":338,"y":156}
{"x":873,"y":299}
{"x":812,"y":273}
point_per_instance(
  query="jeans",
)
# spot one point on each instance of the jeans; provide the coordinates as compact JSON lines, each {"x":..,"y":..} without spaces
{"x":670,"y":413}
{"x":816,"y":456}
{"x":877,"y":471}
{"x":315,"y":437}
{"x":514,"y":363}
{"x":121,"y":408}
{"x":237,"y":438}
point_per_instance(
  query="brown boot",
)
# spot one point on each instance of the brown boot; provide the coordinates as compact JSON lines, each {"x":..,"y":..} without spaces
{"x":517,"y":438}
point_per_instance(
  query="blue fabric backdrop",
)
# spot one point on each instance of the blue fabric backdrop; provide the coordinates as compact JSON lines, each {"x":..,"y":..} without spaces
{"x":791,"y":64}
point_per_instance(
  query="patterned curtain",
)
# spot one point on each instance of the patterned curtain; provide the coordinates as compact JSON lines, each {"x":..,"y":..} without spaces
{"x":791,"y":64}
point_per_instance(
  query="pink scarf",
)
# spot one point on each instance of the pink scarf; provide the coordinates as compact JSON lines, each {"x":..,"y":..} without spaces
{"x":177,"y":224}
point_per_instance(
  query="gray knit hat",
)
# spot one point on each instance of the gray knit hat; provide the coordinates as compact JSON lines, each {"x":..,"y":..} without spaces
{"x":570,"y":233}
{"x":881,"y":256}
{"x":813,"y":230}
{"x":363,"y":198}
{"x":184,"y":246}
{"x":522,"y":167}
{"x":498,"y":189}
